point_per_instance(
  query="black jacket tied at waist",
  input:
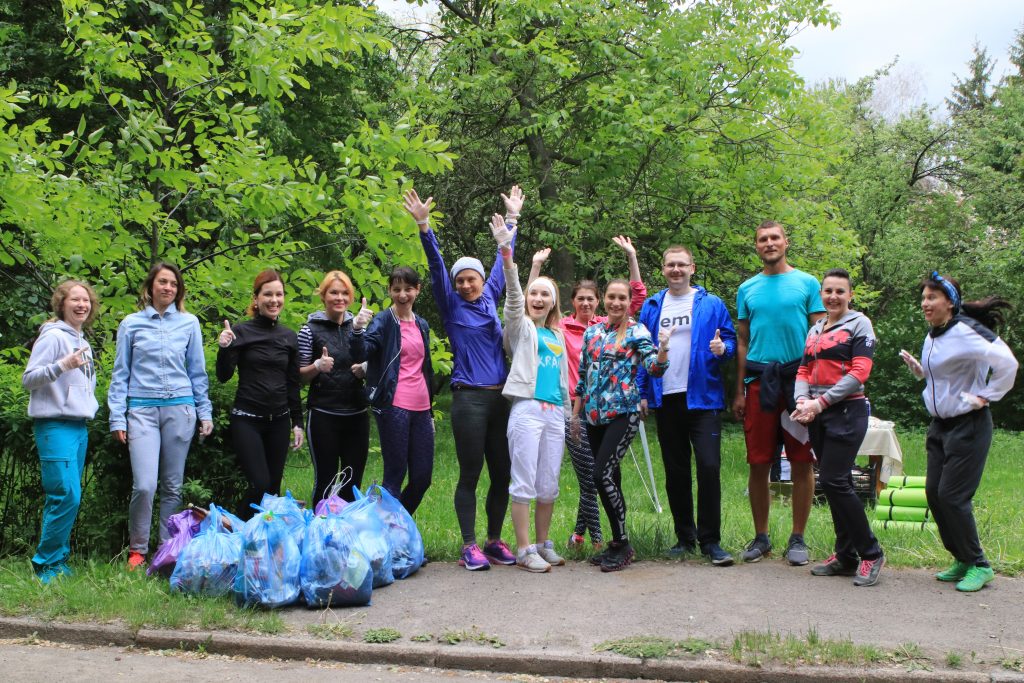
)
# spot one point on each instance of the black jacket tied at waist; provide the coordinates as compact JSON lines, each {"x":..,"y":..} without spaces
{"x":777,"y":381}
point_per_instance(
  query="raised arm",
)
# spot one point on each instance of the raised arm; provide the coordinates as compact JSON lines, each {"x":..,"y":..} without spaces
{"x":539,"y":257}
{"x":442,"y":286}
{"x":505,"y":236}
{"x":638,"y":290}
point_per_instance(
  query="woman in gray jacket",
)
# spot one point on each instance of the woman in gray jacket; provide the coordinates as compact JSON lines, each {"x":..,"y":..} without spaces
{"x":62,"y":380}
{"x":538,"y":386}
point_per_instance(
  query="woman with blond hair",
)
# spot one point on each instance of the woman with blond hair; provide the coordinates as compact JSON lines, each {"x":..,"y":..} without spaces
{"x":267,"y":400}
{"x":61,"y":379}
{"x":158,"y":390}
{"x":337,"y":424}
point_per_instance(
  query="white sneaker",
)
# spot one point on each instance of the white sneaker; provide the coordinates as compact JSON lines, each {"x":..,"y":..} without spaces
{"x":547,"y":552}
{"x":527,"y":558}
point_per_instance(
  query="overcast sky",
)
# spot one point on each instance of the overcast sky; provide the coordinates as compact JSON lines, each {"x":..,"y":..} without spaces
{"x":932,"y":38}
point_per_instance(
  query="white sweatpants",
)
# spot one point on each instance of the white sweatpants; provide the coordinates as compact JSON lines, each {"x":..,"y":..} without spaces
{"x":536,"y":437}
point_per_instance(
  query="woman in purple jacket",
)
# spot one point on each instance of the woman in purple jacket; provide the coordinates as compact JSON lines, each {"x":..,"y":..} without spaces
{"x":467,"y":300}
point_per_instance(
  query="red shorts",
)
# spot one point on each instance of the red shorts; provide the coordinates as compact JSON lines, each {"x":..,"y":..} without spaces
{"x":762,"y":429}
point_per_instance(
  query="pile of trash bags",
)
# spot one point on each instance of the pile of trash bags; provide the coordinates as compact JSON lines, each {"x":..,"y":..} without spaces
{"x":333,"y":556}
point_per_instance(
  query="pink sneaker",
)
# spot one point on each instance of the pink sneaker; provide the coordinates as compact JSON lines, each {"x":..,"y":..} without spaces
{"x":473,"y":559}
{"x":499,"y":553}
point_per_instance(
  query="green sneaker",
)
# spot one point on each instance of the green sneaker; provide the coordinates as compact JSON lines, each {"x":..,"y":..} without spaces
{"x":976,"y":579}
{"x":954,"y":573}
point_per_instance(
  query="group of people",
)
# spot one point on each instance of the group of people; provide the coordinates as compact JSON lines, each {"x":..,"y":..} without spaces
{"x":525,"y":389}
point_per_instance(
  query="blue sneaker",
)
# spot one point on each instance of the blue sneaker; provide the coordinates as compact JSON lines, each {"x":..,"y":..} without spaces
{"x":757,"y":549}
{"x":48,"y":574}
{"x":473,"y":559}
{"x":718,"y":557}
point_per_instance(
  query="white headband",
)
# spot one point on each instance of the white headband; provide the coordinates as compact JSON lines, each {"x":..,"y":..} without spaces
{"x":545,"y":282}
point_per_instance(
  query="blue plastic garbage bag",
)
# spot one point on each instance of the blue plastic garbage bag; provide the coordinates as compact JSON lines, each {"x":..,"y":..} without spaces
{"x":208,"y":564}
{"x":371,"y":538}
{"x":268,"y":571}
{"x":405,"y":537}
{"x":287,"y":509}
{"x":334,"y":572}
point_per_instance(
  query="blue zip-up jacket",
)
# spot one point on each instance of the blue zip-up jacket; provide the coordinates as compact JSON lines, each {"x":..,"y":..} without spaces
{"x":704,"y":390}
{"x":382,"y":342}
{"x":473,"y":328}
{"x":158,"y":357}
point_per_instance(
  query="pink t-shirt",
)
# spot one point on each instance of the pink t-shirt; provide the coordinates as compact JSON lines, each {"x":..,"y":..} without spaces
{"x":411,"y":392}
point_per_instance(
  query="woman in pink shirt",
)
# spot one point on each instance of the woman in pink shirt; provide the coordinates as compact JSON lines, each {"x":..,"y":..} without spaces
{"x":585,"y":297}
{"x":399,"y":386}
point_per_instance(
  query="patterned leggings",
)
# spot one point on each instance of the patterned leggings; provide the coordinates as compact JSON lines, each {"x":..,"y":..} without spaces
{"x":610,"y":442}
{"x":588,"y":516}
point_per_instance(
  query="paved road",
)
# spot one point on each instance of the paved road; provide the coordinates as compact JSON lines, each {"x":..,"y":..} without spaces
{"x":45,"y":662}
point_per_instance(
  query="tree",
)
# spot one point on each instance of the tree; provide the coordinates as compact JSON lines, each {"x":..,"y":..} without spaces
{"x":668,"y":122}
{"x":176,"y":166}
{"x":970,"y":93}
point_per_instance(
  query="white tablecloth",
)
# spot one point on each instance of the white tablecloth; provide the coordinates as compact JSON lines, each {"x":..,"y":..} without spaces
{"x":881,"y":440}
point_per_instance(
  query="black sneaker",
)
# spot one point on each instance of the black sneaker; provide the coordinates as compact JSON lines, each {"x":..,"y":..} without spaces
{"x":617,"y":557}
{"x":682,"y":549}
{"x":834,"y":566}
{"x":757,"y":549}
{"x":598,"y":558}
{"x":718,"y":557}
{"x":797,"y":553}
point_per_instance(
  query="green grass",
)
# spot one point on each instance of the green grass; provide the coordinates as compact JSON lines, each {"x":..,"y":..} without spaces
{"x":107,"y":593}
{"x":997,"y":504}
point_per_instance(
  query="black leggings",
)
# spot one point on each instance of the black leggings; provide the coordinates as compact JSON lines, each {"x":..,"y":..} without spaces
{"x":588,"y":515}
{"x":337,"y":442}
{"x":609,"y":443}
{"x":261,"y":448}
{"x":480,"y":425}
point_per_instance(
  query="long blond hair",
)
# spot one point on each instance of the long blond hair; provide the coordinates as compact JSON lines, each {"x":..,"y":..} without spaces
{"x":620,"y":331}
{"x":554,"y":316}
{"x":61,"y":294}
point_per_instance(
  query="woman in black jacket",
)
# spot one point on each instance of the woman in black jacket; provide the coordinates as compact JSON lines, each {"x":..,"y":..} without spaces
{"x":338,"y":427}
{"x":400,"y":387}
{"x":267,"y":413}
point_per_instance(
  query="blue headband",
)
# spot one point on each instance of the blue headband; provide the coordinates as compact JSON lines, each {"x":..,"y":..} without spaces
{"x":949,"y":289}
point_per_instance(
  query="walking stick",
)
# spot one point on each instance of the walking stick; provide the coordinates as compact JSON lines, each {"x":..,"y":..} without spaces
{"x":652,"y":492}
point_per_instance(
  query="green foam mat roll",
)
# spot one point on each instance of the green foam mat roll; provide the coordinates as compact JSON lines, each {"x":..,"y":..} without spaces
{"x":905,"y":482}
{"x":901,"y":513}
{"x":878,"y":524}
{"x":913,"y":498}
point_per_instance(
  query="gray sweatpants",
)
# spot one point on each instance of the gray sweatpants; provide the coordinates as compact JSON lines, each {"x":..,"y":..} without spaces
{"x":158,"y":441}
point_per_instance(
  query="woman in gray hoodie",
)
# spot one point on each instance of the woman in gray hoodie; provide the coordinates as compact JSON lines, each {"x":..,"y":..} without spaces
{"x":62,"y":380}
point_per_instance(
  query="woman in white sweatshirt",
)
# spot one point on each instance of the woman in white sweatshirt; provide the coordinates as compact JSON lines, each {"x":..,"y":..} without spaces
{"x":538,"y":386}
{"x":966,"y":367}
{"x":62,"y":380}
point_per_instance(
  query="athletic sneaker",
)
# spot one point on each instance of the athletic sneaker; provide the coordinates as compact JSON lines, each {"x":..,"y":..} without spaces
{"x":547,"y":551}
{"x":47,"y":574}
{"x":757,"y":549}
{"x":955,"y":573}
{"x":975,"y":579}
{"x":718,"y":557}
{"x":527,"y":558}
{"x":833,"y":566}
{"x":868,"y":570}
{"x":575,"y":541}
{"x":681,"y":549}
{"x":499,"y":553}
{"x":136,"y":560}
{"x":473,"y":558}
{"x":796,"y":551}
{"x":597,"y":558}
{"x":617,"y":557}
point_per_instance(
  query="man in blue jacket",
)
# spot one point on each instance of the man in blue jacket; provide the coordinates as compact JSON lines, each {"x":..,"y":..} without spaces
{"x":688,"y":401}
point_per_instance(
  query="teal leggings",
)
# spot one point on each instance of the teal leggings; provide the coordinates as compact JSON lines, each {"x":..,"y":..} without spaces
{"x":61,"y":445}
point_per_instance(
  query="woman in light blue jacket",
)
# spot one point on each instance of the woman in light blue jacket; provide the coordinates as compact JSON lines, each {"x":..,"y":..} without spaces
{"x":62,"y":380}
{"x":158,"y":388}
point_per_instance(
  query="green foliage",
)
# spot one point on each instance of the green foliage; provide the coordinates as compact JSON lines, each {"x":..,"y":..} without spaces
{"x":381,"y":635}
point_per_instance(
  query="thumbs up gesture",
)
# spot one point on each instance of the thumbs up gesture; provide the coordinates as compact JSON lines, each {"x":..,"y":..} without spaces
{"x":664,"y":334}
{"x":717,"y":346}
{"x":75,"y":359}
{"x":363,"y":317}
{"x":324,"y":363}
{"x":226,"y":336}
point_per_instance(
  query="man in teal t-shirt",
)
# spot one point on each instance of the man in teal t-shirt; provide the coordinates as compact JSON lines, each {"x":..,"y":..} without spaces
{"x":775,"y":308}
